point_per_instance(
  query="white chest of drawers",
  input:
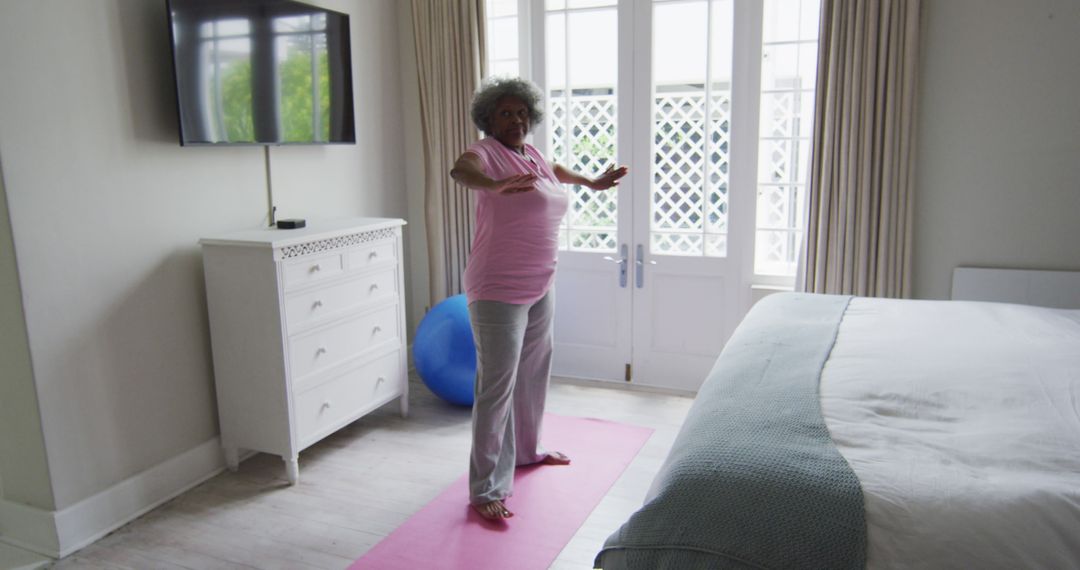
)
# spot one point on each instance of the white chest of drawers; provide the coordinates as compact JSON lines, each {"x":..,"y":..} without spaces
{"x":307,"y":328}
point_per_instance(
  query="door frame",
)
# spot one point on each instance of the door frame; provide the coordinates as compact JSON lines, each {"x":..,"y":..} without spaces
{"x":634,"y":92}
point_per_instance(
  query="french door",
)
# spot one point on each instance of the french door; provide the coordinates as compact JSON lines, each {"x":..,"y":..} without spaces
{"x":653,"y":276}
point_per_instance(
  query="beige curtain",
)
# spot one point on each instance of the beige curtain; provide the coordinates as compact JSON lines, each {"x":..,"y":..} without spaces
{"x":449,"y":37}
{"x":858,"y":238}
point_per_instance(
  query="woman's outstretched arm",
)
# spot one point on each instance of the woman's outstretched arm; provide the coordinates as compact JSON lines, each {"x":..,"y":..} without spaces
{"x":608,"y":179}
{"x":469,"y":171}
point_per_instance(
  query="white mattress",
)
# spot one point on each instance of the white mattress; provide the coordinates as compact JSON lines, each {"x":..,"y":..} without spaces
{"x":962,"y":422}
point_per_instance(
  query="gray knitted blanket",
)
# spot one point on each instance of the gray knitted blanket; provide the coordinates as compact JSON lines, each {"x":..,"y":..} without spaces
{"x":753,"y":479}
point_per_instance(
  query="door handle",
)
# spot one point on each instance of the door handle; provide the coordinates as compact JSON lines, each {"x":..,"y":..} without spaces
{"x":622,"y":264}
{"x":639,"y":266}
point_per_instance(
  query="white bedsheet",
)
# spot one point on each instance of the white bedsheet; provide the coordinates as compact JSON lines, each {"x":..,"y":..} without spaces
{"x":962,"y":422}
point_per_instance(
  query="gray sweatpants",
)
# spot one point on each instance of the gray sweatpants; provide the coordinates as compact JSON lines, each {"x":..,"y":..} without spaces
{"x":513,"y":366}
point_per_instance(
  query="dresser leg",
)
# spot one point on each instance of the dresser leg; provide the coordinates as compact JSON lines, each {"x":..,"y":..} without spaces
{"x":232,"y":457}
{"x":292,"y":470}
{"x":404,"y":403}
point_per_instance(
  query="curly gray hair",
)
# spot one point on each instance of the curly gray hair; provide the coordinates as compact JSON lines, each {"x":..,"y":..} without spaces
{"x":494,"y":89}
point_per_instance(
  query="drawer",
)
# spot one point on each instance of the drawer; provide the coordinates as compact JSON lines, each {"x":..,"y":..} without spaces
{"x":325,"y":406}
{"x":311,"y":306}
{"x":310,"y":352}
{"x":370,"y":254}
{"x":311,"y":269}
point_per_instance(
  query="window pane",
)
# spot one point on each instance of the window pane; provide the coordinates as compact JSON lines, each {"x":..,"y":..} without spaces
{"x":807,"y":65}
{"x":502,"y":38}
{"x":691,"y":127}
{"x":552,"y":5}
{"x":225,"y":88}
{"x":680,"y":40}
{"x":593,"y":43}
{"x":774,"y":252}
{"x":501,"y":8}
{"x":303,"y":86}
{"x":777,"y":114}
{"x":223,"y":28}
{"x":305,"y":23}
{"x":582,"y":69}
{"x":775,"y":159}
{"x":504,"y":68}
{"x":809,"y":14}
{"x":806,"y":110}
{"x":781,"y":20}
{"x":780,"y":67}
{"x":556,"y":50}
{"x":721,"y":46}
{"x":802,"y":165}
{"x":591,"y":3}
{"x":788,"y":72}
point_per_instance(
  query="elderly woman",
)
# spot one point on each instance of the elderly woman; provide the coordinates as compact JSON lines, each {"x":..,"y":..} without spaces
{"x":520,"y":201}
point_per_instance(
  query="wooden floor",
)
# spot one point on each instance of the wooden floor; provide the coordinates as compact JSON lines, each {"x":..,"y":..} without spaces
{"x":359,"y":484}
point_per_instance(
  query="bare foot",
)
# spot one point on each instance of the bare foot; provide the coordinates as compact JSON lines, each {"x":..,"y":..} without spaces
{"x":555,"y":458}
{"x":493,"y":511}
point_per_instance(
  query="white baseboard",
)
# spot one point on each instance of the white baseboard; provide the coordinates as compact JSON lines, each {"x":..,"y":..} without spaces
{"x":630,"y":386}
{"x":60,"y":533}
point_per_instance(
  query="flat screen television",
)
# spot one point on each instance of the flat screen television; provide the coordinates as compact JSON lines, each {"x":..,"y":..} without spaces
{"x":261,"y":72}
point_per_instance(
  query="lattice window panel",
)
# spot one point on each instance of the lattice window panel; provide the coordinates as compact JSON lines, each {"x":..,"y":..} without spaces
{"x":779,"y":193}
{"x":586,"y":146}
{"x":786,"y":119}
{"x":690,"y":174}
{"x":778,"y":157}
{"x":773,"y":207}
{"x":773,"y":251}
{"x":774,"y":222}
{"x":780,"y":109}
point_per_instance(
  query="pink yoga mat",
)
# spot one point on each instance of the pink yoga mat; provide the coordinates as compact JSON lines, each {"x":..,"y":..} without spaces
{"x":550,"y":503}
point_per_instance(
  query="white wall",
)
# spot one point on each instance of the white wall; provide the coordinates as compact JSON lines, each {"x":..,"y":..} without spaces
{"x":998,"y":172}
{"x":106,"y":209}
{"x":24,"y":474}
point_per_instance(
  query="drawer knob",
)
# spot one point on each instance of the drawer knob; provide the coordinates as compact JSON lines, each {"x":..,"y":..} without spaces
{"x":325,"y":405}
{"x":316,"y":304}
{"x":373,"y":255}
{"x":380,"y":380}
{"x":315,"y":268}
{"x":320,"y":350}
{"x":374,"y":287}
{"x":376,"y":330}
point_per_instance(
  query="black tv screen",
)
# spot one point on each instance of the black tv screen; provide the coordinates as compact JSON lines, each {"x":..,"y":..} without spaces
{"x":261,"y":72}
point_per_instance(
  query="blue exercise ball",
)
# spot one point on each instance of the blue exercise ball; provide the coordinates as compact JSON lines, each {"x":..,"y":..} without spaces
{"x":444,"y":351}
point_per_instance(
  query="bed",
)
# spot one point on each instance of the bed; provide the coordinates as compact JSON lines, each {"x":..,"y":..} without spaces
{"x":839,"y":432}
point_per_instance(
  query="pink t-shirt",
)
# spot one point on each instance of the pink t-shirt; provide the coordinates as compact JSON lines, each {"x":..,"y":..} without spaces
{"x":516,"y":239}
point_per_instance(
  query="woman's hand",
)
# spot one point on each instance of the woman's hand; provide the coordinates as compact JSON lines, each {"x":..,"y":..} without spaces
{"x":514,"y":184}
{"x":610,"y":178}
